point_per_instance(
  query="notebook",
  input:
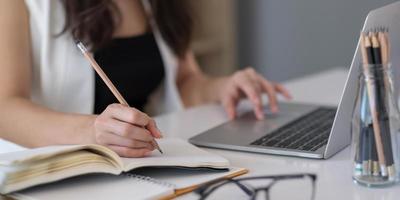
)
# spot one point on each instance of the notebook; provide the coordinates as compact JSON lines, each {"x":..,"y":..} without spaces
{"x":143,"y":184}
{"x":24,"y":169}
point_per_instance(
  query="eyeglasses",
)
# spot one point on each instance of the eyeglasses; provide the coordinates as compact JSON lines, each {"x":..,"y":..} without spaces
{"x":291,"y":186}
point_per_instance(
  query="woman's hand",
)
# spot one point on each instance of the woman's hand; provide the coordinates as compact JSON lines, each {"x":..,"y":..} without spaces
{"x":248,"y":83}
{"x":127,"y":131}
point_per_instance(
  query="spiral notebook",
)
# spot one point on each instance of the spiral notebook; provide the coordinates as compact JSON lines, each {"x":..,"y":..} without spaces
{"x":140,"y":184}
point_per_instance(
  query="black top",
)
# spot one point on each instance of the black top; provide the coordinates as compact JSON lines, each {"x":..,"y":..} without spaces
{"x":134,"y":65}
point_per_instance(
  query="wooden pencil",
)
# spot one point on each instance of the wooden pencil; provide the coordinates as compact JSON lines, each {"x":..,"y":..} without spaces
{"x":384,"y":48}
{"x":382,"y":85}
{"x":386,"y":36}
{"x":107,"y":81}
{"x":385,"y":51}
{"x":102,"y":75}
{"x":363,"y":50}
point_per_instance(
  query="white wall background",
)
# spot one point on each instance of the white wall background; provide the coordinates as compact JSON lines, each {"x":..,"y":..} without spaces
{"x":288,"y":38}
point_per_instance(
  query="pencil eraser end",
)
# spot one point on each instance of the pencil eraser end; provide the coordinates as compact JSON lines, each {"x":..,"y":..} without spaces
{"x":81,"y":46}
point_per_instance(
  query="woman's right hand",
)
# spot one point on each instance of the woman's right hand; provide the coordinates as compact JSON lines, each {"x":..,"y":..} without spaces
{"x":127,"y":131}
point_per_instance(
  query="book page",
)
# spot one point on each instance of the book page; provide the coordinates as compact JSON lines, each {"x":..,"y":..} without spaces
{"x":70,"y":171}
{"x":32,"y":155}
{"x":29,"y":155}
{"x":31,"y":167}
{"x":177,"y":152}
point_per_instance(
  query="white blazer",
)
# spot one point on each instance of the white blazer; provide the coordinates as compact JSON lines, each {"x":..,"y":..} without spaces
{"x":63,"y":80}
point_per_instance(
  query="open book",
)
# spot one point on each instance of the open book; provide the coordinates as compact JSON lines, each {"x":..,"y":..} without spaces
{"x":23,"y":169}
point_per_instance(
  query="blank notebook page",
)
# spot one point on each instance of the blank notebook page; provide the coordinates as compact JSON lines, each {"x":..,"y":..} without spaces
{"x":98,"y":187}
{"x":177,"y":152}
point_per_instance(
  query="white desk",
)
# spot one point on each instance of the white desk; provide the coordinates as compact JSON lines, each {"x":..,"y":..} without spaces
{"x":334,"y":175}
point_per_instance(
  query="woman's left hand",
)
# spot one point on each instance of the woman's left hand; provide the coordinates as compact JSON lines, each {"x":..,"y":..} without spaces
{"x":248,"y":83}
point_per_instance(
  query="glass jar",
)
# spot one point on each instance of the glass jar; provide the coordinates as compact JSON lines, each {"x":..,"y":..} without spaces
{"x":375,"y":128}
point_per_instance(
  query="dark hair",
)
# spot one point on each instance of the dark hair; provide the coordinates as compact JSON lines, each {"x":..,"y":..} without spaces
{"x":94,"y":22}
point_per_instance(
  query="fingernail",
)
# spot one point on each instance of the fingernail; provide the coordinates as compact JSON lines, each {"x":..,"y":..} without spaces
{"x":147,"y":153}
{"x":160,"y":134}
{"x":259,"y":114}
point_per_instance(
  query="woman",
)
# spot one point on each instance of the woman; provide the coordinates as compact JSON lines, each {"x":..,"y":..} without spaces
{"x":49,"y":94}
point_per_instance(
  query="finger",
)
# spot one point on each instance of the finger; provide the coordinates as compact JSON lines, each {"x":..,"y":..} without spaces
{"x":281,"y":89}
{"x":270,"y":90}
{"x":229,"y":103}
{"x":127,"y":130}
{"x":129,"y":152}
{"x":135,"y":117}
{"x":128,"y":114}
{"x":253,"y":76}
{"x":152,"y":127}
{"x":249,"y":88}
{"x":112,"y":139}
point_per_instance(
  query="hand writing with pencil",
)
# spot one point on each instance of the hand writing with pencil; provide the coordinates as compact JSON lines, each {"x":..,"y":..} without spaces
{"x":124,"y":129}
{"x":127,"y":131}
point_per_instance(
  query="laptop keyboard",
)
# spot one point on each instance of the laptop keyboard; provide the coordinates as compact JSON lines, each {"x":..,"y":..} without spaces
{"x":308,"y":133}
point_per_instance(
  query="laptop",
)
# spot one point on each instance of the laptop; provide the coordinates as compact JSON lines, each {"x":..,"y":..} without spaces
{"x":305,"y":130}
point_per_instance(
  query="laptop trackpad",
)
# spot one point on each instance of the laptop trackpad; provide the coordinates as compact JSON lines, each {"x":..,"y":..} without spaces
{"x":246,"y":128}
